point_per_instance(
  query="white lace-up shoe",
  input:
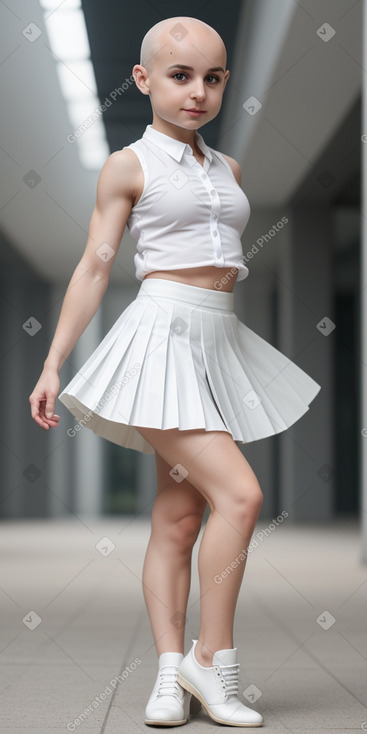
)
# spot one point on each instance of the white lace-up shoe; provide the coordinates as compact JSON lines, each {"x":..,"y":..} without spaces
{"x":169,"y":703}
{"x":216,"y":687}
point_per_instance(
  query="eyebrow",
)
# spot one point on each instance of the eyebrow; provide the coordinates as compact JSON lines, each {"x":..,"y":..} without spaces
{"x":190,"y":68}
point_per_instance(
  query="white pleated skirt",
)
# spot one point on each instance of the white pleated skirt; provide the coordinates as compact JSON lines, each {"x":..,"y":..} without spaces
{"x":178,"y":357}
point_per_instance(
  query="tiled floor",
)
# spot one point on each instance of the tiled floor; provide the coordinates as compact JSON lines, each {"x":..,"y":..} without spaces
{"x":73,"y":619}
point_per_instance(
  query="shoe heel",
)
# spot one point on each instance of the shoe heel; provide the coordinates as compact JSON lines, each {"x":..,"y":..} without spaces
{"x":190,"y":688}
{"x":195,"y":705}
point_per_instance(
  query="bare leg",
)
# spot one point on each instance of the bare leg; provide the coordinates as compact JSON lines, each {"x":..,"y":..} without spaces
{"x":226,"y":537}
{"x":176,"y":522}
{"x":220,"y":472}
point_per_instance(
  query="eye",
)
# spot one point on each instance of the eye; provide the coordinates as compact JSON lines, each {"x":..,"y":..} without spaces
{"x":181,"y":73}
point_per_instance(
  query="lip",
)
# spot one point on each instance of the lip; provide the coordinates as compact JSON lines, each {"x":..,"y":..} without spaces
{"x":195,"y":112}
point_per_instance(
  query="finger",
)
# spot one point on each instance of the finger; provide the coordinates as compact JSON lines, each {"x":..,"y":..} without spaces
{"x":37,"y":412}
{"x":52,"y":421}
{"x":46,"y":407}
{"x":41,"y":422}
{"x":49,"y":410}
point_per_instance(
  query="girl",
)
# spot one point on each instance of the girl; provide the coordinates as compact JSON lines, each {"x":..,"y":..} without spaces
{"x":178,"y":374}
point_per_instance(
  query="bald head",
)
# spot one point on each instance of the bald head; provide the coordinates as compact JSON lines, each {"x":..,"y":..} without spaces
{"x":174,"y":30}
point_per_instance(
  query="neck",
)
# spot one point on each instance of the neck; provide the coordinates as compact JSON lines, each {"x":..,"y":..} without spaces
{"x":174,"y":131}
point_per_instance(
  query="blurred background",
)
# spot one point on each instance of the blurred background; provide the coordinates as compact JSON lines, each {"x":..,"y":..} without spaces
{"x":294,"y":117}
{"x":291,"y":116}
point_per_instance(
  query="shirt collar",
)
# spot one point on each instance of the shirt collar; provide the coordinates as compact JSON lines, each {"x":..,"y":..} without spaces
{"x":175,"y":148}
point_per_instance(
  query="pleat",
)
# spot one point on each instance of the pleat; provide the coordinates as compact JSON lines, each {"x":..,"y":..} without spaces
{"x":215,"y":416}
{"x":258,"y":390}
{"x":284,"y":389}
{"x":257,"y":415}
{"x":95,"y":375}
{"x":156,"y":400}
{"x":217,"y":371}
{"x":183,"y":335}
{"x":168,"y":363}
{"x":281,"y":377}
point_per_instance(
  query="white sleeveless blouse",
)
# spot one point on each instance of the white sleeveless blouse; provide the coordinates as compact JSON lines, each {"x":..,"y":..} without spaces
{"x":188,"y":215}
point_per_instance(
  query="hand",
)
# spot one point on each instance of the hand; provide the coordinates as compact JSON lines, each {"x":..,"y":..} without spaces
{"x":42,"y":399}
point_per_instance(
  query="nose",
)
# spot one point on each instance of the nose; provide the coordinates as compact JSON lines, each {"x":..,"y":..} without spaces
{"x":198,"y":91}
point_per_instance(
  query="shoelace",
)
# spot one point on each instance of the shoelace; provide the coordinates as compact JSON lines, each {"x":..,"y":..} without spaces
{"x":168,"y":685}
{"x":229,"y":677}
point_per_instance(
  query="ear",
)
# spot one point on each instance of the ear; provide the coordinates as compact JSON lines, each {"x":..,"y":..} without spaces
{"x":141,"y":77}
{"x":226,"y":77}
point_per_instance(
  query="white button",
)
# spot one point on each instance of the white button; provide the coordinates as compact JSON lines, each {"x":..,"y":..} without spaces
{"x":215,"y":234}
{"x":212,"y":193}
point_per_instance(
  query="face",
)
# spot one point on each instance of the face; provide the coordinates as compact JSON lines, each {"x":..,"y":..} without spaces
{"x":173,"y":90}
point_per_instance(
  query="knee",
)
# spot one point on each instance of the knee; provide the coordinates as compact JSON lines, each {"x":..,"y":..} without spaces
{"x":246,"y":503}
{"x":185,"y":531}
{"x":181,"y":533}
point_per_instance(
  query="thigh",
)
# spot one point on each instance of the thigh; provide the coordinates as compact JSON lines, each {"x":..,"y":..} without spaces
{"x":176,"y":499}
{"x":210,"y":461}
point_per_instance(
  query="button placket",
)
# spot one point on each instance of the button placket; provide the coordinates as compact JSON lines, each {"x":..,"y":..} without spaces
{"x":214,"y":204}
{"x":214,"y":214}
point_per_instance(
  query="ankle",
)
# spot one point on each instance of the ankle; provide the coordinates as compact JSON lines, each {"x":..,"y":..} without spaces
{"x":203,"y":660}
{"x":203,"y":654}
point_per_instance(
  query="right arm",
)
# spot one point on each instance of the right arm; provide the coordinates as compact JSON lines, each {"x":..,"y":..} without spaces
{"x":114,"y":201}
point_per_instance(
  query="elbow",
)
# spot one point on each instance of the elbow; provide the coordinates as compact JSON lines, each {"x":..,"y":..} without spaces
{"x":96,"y":271}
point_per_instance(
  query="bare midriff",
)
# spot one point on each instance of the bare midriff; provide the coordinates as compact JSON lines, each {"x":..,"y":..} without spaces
{"x":218,"y":279}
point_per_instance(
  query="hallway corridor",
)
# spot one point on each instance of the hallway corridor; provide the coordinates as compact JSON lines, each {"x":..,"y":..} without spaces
{"x":73,"y":620}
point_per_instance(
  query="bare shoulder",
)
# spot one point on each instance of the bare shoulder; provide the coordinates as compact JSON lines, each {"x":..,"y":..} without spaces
{"x":120,"y":172}
{"x":114,"y":202}
{"x":236,"y":168}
